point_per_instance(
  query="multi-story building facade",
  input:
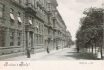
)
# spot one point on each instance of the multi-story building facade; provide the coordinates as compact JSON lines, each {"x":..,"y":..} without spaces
{"x":30,"y":25}
{"x":11,"y":28}
{"x":68,"y":39}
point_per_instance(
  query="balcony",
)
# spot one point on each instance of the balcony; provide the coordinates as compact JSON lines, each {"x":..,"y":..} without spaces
{"x":40,"y":16}
{"x":48,"y":36}
{"x":54,"y":17}
{"x":30,"y":9}
{"x":18,"y":4}
{"x":50,"y":12}
{"x":49,"y":25}
{"x":57,"y":37}
{"x":29,"y":28}
{"x":54,"y":28}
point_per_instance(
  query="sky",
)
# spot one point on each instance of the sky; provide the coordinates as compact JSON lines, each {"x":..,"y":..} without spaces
{"x":72,"y":10}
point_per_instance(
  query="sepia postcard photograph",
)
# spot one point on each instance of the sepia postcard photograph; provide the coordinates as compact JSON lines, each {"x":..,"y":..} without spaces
{"x":51,"y":30}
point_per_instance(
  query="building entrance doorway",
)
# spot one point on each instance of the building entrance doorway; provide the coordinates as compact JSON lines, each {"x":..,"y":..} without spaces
{"x":31,"y":41}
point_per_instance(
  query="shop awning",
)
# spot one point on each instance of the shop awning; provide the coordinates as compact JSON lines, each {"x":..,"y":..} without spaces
{"x":30,"y":21}
{"x":19,"y":20}
{"x":11,"y":16}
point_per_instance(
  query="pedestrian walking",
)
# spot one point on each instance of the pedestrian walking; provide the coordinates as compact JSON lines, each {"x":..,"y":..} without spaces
{"x":57,"y":48}
{"x":99,"y":54}
{"x":47,"y":50}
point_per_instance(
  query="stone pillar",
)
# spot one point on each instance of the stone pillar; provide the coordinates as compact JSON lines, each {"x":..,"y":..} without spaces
{"x":32,"y":51}
{"x":7,"y":39}
{"x":15,"y":38}
{"x":27,"y":40}
{"x":35,"y":38}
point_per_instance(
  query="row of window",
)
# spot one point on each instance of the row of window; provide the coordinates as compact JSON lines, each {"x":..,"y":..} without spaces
{"x":12,"y":39}
{"x":2,"y":38}
{"x":38,"y":25}
{"x":35,"y":2}
{"x":11,"y":16}
{"x":52,"y":32}
{"x":11,"y":13}
{"x":12,"y":35}
{"x":12,"y":19}
{"x":39,"y":40}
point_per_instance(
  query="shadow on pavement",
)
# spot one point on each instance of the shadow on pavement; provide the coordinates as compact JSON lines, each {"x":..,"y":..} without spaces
{"x":72,"y":52}
{"x":85,"y":56}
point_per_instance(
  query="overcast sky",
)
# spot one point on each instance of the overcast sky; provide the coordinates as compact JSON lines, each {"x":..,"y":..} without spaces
{"x":72,"y":10}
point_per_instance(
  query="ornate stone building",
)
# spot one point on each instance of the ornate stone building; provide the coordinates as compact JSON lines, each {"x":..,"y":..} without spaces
{"x":68,"y":39}
{"x":30,"y":25}
{"x":12,"y":28}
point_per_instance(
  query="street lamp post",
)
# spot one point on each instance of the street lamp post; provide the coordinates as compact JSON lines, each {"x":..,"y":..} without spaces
{"x":48,"y":45}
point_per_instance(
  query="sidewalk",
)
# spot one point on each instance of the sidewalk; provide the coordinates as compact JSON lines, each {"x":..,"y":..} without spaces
{"x":32,"y":57}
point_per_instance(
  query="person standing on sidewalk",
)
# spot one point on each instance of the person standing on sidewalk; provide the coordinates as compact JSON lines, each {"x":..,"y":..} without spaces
{"x":99,"y":54}
{"x":47,"y":50}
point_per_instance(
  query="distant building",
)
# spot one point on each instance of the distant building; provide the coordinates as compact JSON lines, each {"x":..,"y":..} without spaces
{"x":68,"y":39}
{"x":30,"y":24}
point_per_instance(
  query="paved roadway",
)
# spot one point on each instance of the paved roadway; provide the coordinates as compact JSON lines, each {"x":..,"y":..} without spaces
{"x":61,"y":54}
{"x":68,"y":54}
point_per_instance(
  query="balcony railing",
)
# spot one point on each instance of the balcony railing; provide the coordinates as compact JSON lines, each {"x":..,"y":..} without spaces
{"x":17,"y":3}
{"x":40,"y":15}
{"x":30,"y":5}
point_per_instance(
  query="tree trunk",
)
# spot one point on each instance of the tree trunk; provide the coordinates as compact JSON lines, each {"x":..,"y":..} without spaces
{"x":89,"y":49}
{"x":92,"y":48}
{"x":95,"y":48}
{"x":86,"y":49}
{"x":78,"y":49}
{"x":101,"y":52}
